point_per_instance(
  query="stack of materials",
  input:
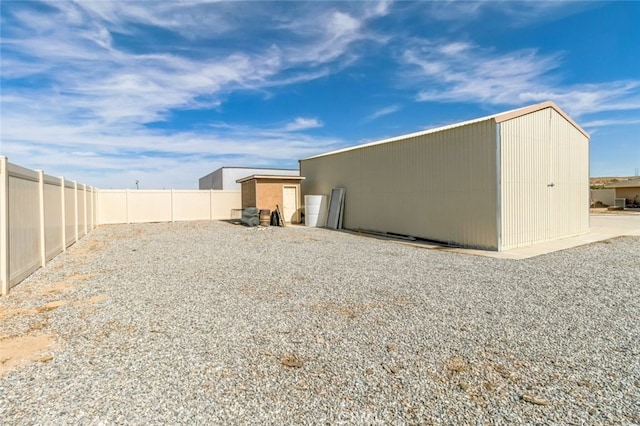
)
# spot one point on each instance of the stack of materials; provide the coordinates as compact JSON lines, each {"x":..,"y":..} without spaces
{"x":251,"y":216}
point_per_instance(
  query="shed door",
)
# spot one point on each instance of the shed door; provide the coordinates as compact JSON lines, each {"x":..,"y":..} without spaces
{"x":290,"y":203}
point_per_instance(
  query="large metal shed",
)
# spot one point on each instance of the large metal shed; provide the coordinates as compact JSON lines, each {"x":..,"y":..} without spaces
{"x":499,"y":182}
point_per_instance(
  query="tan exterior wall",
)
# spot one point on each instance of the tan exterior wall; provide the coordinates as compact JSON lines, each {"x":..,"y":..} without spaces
{"x":629,"y":193}
{"x":269,"y":194}
{"x":544,"y":192}
{"x":143,"y":206}
{"x":605,"y":196}
{"x":249,"y":194}
{"x":34,"y":220}
{"x":440,"y":186}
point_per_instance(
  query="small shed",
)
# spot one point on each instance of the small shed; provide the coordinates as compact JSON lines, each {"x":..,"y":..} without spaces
{"x":267,"y":191}
{"x":499,"y":182}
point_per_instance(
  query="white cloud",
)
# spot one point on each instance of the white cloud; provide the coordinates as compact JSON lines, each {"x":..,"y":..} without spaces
{"x":459,"y":72}
{"x":86,"y":116}
{"x":611,"y":122}
{"x":382,"y":112}
{"x":161,"y":159}
{"x":301,"y":123}
{"x":518,"y":13}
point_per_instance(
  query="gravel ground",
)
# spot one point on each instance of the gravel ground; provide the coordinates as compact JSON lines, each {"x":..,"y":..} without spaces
{"x":213,"y":323}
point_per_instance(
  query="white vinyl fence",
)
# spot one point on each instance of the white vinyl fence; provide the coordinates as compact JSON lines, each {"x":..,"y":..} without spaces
{"x":40,"y":216}
{"x":171,"y":205}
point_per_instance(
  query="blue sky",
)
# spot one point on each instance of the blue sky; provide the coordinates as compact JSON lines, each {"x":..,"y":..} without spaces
{"x":163,"y":92}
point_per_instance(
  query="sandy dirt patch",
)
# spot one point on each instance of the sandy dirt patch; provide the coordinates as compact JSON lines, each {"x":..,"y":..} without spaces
{"x":22,"y":350}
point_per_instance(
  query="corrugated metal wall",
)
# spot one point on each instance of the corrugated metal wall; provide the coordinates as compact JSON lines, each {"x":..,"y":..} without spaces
{"x":440,"y":186}
{"x":544,"y":179}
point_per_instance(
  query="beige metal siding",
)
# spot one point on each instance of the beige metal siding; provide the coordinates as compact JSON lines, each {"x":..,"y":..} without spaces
{"x":544,"y":179}
{"x":440,"y":185}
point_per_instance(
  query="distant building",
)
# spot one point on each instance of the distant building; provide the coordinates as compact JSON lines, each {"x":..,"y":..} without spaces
{"x":629,"y":190}
{"x":225,"y":178}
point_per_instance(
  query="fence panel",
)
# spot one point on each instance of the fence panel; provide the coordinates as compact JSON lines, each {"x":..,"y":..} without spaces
{"x":70,"y":212}
{"x":142,"y":206}
{"x":222,"y":202}
{"x":81,"y":209}
{"x":149,"y":206}
{"x":191,"y":205}
{"x":53,"y":231}
{"x":24,"y":220}
{"x":112,"y":206}
{"x":38,"y":220}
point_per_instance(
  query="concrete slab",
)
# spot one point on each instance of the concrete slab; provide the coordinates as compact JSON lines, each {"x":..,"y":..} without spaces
{"x":603,"y":226}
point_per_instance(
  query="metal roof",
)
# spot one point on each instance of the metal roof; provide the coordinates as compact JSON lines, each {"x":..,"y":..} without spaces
{"x":271,"y":177}
{"x":499,"y":118}
{"x":631,"y":183}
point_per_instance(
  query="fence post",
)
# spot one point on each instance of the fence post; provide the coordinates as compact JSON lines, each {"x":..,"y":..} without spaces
{"x":64,"y":214}
{"x":171,"y":205}
{"x":4,"y":226}
{"x":92,"y":204}
{"x":43,"y":245}
{"x":75,"y":210}
{"x":84,"y":188}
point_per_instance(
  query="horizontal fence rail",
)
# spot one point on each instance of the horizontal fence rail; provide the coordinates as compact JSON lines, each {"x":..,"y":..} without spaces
{"x":40,"y":216}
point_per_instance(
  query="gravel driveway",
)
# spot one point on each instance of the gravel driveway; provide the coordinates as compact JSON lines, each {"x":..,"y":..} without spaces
{"x":213,"y":323}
